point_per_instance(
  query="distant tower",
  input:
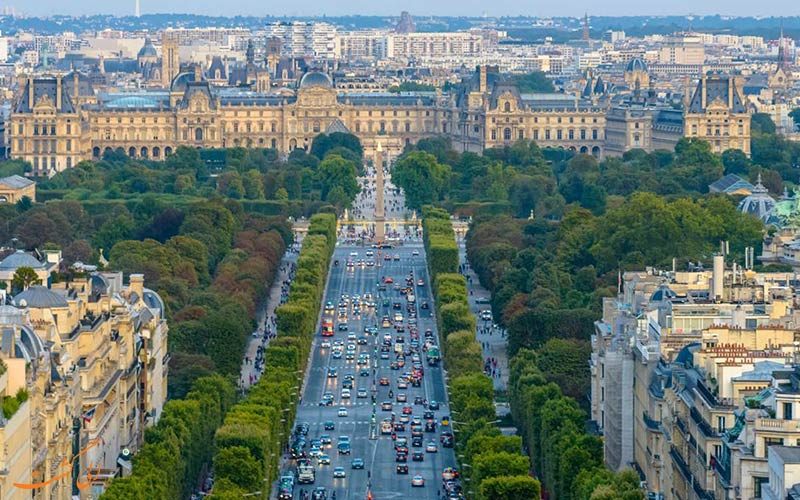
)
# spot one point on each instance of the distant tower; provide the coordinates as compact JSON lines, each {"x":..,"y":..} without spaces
{"x":170,"y":61}
{"x":783,"y":52}
{"x":406,"y":24}
{"x":136,"y":11}
{"x":586,"y":27}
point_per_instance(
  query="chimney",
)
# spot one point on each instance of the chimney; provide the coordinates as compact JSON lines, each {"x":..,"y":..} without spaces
{"x":58,"y":92}
{"x":482,"y":77}
{"x":730,"y":92}
{"x":704,"y":95}
{"x":136,"y":284}
{"x":31,"y":103}
{"x":717,"y":277}
{"x":198,"y":73}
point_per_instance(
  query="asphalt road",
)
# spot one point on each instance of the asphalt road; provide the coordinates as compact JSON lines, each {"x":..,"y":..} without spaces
{"x":378,"y":454}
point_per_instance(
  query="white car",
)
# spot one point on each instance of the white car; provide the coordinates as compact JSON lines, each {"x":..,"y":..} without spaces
{"x":339,"y":472}
{"x":325,"y":343}
{"x":345,"y":393}
{"x":324,"y":459}
{"x":415,"y":253}
{"x":417,"y":481}
{"x":342,"y":412}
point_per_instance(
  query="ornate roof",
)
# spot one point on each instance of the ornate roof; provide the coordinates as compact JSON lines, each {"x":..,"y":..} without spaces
{"x":148,"y":50}
{"x":759,"y":203}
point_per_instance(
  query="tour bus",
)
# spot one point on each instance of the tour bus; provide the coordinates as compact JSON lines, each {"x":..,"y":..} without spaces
{"x":327,"y":327}
{"x":433,"y":356}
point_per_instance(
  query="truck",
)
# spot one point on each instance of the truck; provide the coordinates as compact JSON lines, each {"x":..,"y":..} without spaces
{"x":306,"y":473}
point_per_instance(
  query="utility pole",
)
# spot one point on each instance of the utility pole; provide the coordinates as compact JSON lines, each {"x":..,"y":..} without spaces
{"x":380,"y":216}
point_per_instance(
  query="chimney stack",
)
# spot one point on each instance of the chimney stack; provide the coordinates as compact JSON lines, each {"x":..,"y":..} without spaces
{"x":482,"y":77}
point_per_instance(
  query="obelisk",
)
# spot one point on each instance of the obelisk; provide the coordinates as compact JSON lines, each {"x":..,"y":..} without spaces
{"x":380,"y":216}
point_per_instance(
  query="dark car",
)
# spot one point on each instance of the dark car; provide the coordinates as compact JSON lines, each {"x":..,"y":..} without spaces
{"x":386,"y":406}
{"x":364,"y":372}
{"x":401,"y":457}
{"x":402,"y":469}
{"x":416,"y":442}
{"x":301,"y":429}
{"x":433,"y":405}
{"x":417,"y":456}
{"x":329,"y":425}
{"x":447,"y":439}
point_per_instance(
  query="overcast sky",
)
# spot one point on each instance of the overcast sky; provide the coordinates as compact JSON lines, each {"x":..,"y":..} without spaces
{"x":416,"y":7}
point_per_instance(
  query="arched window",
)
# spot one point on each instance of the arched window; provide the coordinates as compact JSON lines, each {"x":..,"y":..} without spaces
{"x":506,"y":134}
{"x":132,"y":152}
{"x":156,"y":152}
{"x":292,"y":144}
{"x":507,"y":107}
{"x":144,"y":152}
{"x":167,"y":151}
{"x":198,"y":134}
{"x":96,"y":152}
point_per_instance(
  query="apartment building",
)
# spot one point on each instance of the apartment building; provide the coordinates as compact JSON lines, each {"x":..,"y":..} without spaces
{"x":86,"y":363}
{"x":679,"y":360}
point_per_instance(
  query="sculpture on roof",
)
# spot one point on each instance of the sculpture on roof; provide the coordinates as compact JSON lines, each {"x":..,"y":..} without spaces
{"x":786,"y":213}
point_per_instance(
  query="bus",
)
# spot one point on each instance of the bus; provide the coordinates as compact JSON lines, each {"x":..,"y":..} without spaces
{"x":327,"y":327}
{"x":433,"y":355}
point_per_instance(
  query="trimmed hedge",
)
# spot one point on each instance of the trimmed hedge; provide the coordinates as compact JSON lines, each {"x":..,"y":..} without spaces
{"x":256,"y":430}
{"x":499,"y":469}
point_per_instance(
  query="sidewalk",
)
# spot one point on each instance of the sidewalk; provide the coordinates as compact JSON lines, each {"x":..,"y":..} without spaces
{"x":250,"y":373}
{"x":492,"y":338}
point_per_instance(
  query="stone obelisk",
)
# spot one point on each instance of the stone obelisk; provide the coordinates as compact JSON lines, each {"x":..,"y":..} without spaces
{"x":380,"y":216}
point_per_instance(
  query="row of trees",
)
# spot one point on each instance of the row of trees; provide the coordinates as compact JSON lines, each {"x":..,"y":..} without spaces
{"x":250,"y":443}
{"x":522,"y":177}
{"x":494,"y":467}
{"x":259,"y":177}
{"x":177,"y":449}
{"x":567,"y":459}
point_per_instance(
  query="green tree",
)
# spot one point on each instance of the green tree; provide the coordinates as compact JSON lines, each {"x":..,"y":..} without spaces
{"x":334,"y":171}
{"x":533,"y":82}
{"x":23,"y":278}
{"x":238,"y":465}
{"x":761,"y":123}
{"x":510,"y":488}
{"x":422,"y":178}
{"x":24,"y":204}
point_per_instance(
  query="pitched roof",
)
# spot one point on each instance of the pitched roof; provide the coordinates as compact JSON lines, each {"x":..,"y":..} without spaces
{"x":16,"y":182}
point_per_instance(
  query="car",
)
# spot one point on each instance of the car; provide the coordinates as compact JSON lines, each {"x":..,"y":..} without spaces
{"x":314,"y":452}
{"x":332,"y":373}
{"x":407,"y":410}
{"x":339,"y":472}
{"x":351,"y":336}
{"x":325,"y":344}
{"x":384,"y":381}
{"x":415,"y":253}
{"x":420,"y":283}
{"x":387,"y":280}
{"x":301,"y":429}
{"x":401,"y":457}
{"x":402,"y":384}
{"x":326,"y":440}
{"x":384,"y":355}
{"x":347,"y":384}
{"x":433,"y":405}
{"x":404,"y":419}
{"x":417,"y":456}
{"x":402,"y":469}
{"x":349,"y":376}
{"x":431,"y":447}
{"x":343,"y":448}
{"x":362,"y":393}
{"x":447,"y":439}
{"x":346,"y":392}
{"x":324,"y":459}
{"x":417,"y":481}
{"x":386,"y":406}
{"x":418,"y":400}
{"x":397,"y":256}
{"x":416,"y":442}
{"x":329,"y":425}
{"x":342,"y":412}
{"x":399,"y":427}
{"x":449,"y":473}
{"x":362,"y":340}
{"x":350,"y":355}
{"x":364,"y":372}
{"x":342,"y":327}
{"x":357,"y":463}
{"x":401,"y":397}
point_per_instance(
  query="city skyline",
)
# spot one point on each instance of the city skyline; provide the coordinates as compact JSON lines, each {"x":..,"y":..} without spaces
{"x":622,"y":8}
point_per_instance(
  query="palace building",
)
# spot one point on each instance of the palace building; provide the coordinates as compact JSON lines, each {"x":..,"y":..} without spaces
{"x":58,"y":121}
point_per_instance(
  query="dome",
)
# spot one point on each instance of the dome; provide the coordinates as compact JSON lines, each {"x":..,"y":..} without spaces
{"x":148,"y":50}
{"x":180,"y":82}
{"x":759,"y":203}
{"x":636,"y":64}
{"x":20,"y":259}
{"x":663,"y":293}
{"x":315,"y":79}
{"x":39,"y":297}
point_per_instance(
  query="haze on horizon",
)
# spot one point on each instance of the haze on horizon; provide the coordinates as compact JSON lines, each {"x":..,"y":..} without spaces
{"x":418,"y":8}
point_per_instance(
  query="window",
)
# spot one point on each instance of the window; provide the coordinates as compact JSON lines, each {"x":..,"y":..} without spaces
{"x":536,"y":134}
{"x":494,"y":134}
{"x":198,"y":134}
{"x":69,"y":162}
{"x":787,"y":411}
{"x":520,"y":134}
{"x":583,"y":134}
{"x":594,"y":134}
{"x":69,"y":128}
{"x":721,"y":423}
{"x":571,"y":134}
{"x":408,"y":126}
{"x":547,"y":134}
{"x":507,"y":107}
{"x":758,"y":485}
{"x":316,"y":127}
{"x":558,"y":134}
{"x":506,"y":134}
{"x":69,"y":144}
{"x":20,"y":128}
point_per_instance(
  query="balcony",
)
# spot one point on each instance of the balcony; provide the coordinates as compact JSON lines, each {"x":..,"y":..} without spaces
{"x":777,"y":425}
